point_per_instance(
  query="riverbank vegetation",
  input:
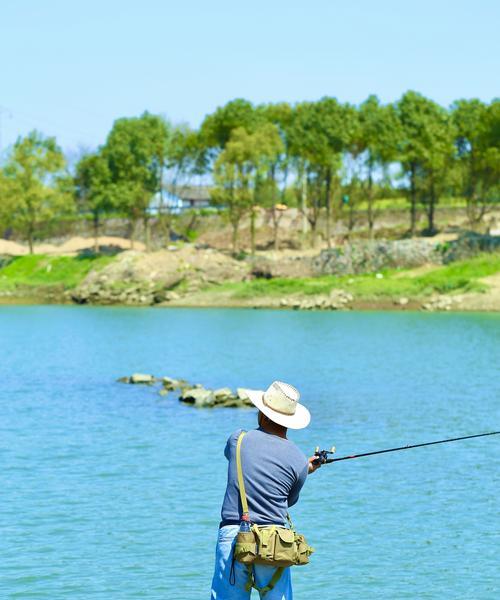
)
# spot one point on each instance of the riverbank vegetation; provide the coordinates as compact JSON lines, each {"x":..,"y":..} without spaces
{"x":462,"y":276}
{"x":38,"y":274}
{"x":38,"y":277}
{"x":332,"y":161}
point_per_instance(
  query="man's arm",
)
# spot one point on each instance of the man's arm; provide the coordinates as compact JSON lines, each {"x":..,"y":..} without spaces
{"x":295,"y":491}
{"x":293,"y":496}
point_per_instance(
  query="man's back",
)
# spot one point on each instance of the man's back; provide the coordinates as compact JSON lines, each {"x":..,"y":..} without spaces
{"x":274,"y":470}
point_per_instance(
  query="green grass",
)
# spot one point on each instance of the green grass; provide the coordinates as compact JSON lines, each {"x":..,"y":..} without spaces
{"x":39,"y":270}
{"x":457,"y":277}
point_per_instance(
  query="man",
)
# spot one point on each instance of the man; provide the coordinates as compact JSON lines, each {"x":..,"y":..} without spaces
{"x":274,"y":471}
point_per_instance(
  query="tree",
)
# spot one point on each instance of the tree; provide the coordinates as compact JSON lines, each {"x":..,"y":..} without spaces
{"x":240,"y":170}
{"x":425,"y":152}
{"x":36,"y":183}
{"x":320,"y":132}
{"x":280,"y":115}
{"x":376,"y":145}
{"x":475,"y":141}
{"x":136,"y":150}
{"x":437,"y":164}
{"x":216,"y":129}
{"x":93,"y":189}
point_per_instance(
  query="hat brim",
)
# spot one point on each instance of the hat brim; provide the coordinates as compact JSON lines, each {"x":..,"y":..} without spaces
{"x":298,"y":420}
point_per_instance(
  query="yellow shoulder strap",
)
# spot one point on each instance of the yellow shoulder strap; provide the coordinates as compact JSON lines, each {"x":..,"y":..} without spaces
{"x":241,"y":483}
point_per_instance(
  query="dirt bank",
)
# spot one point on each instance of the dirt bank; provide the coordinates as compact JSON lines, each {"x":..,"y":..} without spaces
{"x":70,"y":247}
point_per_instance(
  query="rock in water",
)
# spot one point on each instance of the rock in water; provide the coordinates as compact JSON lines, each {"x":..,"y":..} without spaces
{"x":174,"y":384}
{"x":243,"y":397}
{"x":142,"y":378}
{"x":224,"y":392}
{"x":199,"y":397}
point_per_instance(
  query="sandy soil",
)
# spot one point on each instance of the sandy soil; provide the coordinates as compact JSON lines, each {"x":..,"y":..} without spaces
{"x":71,"y":247}
{"x":489,"y":300}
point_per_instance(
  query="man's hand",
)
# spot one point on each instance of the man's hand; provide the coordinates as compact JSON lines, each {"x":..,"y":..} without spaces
{"x":312,"y":466}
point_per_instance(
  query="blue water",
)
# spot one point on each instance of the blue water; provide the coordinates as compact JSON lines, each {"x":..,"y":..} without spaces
{"x":111,"y":491}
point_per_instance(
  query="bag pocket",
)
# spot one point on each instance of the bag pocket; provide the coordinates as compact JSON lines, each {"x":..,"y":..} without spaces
{"x":265,"y":544}
{"x":284,"y":547}
{"x":245,"y":548}
{"x":304,"y":551}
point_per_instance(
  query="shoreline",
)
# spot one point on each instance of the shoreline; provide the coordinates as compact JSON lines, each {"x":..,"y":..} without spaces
{"x":203,"y":279}
{"x":472,"y":303}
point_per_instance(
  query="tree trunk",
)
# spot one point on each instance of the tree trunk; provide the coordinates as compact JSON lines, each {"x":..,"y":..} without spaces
{"x":132,"y":233}
{"x":30,"y":239}
{"x":276,"y":225}
{"x":313,"y":222}
{"x":304,"y":205}
{"x":235,"y":236}
{"x":328,"y":202}
{"x":163,"y":214}
{"x":96,"y":232}
{"x":352,"y":219}
{"x":147,"y":232}
{"x":277,"y":215}
{"x":431,"y":210}
{"x":252,"y":231}
{"x":370,"y":213}
{"x":31,"y":226}
{"x":413,"y":201}
{"x":313,"y":233}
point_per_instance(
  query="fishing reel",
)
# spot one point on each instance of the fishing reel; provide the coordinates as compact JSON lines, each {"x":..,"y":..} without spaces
{"x":322,"y":456}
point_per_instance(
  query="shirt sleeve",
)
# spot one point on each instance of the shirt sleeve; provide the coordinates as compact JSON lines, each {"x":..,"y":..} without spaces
{"x":293,"y":496}
{"x":231,"y":441}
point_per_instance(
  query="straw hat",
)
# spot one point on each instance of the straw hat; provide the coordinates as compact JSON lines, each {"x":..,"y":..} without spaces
{"x":280,"y":403}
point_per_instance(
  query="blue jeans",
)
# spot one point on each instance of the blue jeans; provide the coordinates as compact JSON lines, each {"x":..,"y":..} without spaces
{"x":221,"y":586}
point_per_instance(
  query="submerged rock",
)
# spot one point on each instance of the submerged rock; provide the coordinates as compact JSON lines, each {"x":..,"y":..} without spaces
{"x":199,"y":397}
{"x":142,"y":378}
{"x":138,"y":378}
{"x":192,"y":394}
{"x":243,"y":397}
{"x":174,"y":384}
{"x":224,"y":392}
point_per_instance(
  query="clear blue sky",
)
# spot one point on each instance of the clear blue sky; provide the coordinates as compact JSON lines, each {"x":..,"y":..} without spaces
{"x":70,"y":67}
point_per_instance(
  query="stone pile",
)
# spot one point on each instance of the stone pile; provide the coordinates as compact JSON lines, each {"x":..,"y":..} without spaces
{"x":222,"y":397}
{"x":373,"y":256}
{"x":192,"y":394}
{"x":336,"y":300}
{"x":136,"y":278}
{"x":441,"y":303}
{"x":470,"y":244}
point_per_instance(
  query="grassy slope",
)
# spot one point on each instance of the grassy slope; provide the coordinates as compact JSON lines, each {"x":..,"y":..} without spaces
{"x":460,"y":276}
{"x":48,"y":272}
{"x":39,"y":273}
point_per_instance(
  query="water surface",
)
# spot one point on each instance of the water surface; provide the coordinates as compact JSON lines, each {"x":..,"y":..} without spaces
{"x":107,"y":490}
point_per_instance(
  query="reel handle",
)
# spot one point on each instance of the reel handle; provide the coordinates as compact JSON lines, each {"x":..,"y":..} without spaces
{"x":322,"y":455}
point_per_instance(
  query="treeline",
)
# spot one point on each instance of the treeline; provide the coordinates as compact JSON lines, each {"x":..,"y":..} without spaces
{"x":325,"y":157}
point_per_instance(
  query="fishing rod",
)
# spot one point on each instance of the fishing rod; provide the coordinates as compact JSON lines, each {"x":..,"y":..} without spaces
{"x":322,"y":455}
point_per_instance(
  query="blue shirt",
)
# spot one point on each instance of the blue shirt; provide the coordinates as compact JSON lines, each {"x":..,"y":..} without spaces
{"x":274,"y":471}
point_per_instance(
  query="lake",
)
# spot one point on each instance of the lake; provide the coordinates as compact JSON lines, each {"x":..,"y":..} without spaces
{"x":108,"y":489}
